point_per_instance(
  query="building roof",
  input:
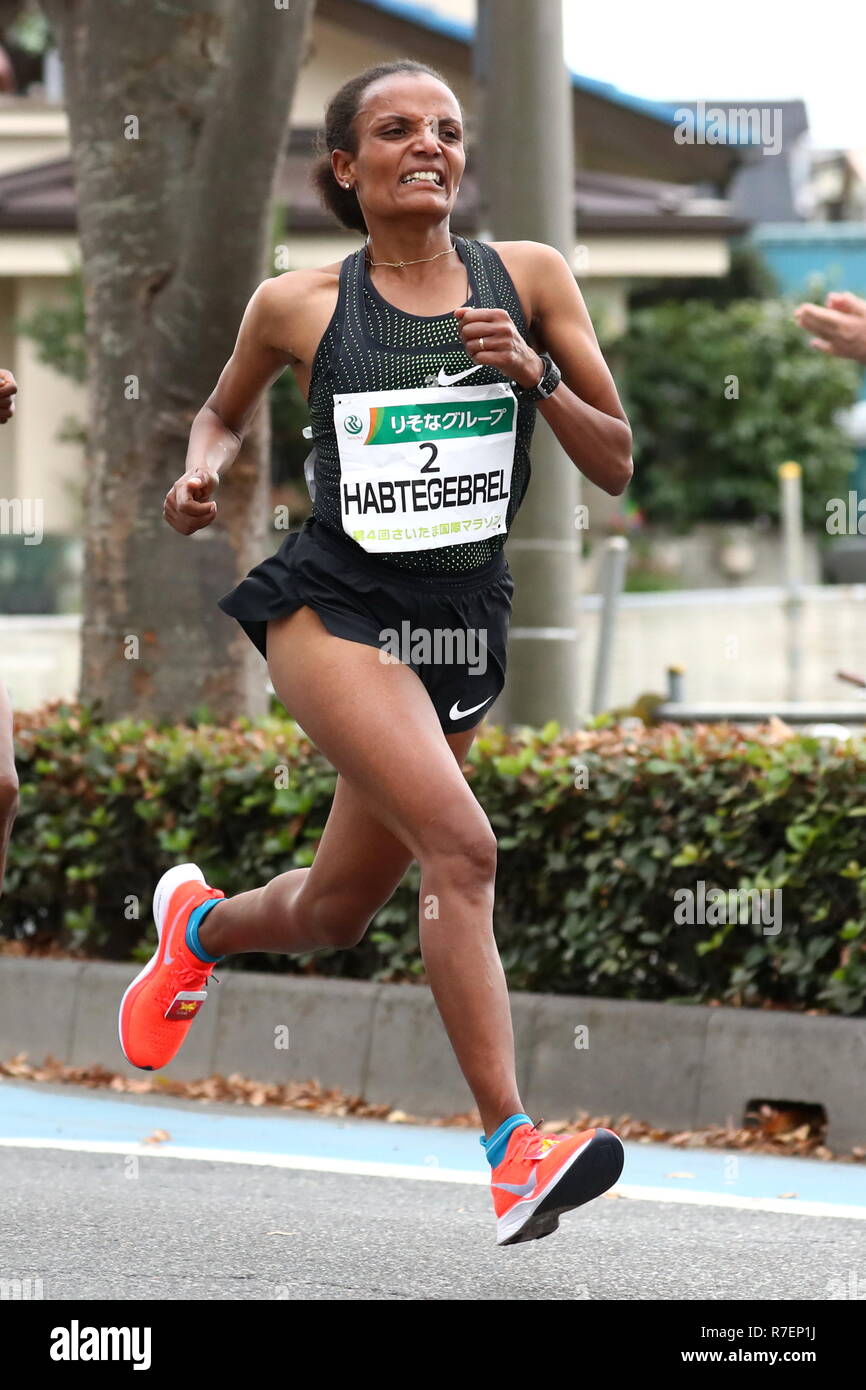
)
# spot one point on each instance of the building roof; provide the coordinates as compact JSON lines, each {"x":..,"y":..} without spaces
{"x":43,"y":198}
{"x":603,"y":202}
{"x":39,"y":198}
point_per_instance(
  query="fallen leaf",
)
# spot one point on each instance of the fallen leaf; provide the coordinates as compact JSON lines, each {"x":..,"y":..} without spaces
{"x":310,"y":1095}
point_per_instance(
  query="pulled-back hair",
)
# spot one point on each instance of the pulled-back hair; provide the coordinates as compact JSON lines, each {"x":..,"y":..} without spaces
{"x":339,"y":134}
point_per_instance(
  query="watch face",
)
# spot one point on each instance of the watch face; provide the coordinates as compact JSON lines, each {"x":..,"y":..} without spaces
{"x":551,"y":378}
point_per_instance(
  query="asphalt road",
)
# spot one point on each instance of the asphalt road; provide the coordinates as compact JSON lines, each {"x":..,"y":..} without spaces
{"x":410,"y":1218}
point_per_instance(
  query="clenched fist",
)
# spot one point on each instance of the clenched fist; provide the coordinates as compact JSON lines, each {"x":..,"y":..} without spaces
{"x":187,"y":506}
{"x":8,"y":388}
{"x":491,"y":337}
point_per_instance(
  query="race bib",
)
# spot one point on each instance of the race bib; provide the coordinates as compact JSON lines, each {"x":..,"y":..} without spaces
{"x":424,"y":468}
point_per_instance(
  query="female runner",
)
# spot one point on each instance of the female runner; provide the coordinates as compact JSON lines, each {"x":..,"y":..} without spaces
{"x":422,"y":414}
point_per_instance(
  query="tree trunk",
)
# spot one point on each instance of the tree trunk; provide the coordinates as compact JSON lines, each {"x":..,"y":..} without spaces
{"x":178,"y":116}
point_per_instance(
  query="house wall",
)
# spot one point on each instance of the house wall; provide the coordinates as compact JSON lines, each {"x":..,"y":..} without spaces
{"x":795,"y":253}
{"x":45,"y":467}
{"x":731,"y":643}
{"x":31,"y":134}
{"x":675,"y":255}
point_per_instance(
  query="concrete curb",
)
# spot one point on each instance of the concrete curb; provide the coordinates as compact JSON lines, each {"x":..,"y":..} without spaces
{"x":677,"y":1066}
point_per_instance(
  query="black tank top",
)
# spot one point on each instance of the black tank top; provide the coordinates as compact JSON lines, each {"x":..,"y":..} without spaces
{"x":369,"y":345}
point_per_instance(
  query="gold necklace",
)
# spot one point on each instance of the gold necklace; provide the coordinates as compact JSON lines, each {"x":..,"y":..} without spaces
{"x":400,"y":264}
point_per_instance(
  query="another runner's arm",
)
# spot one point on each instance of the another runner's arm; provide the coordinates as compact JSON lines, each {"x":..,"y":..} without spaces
{"x":8,"y":778}
{"x":584,"y":412}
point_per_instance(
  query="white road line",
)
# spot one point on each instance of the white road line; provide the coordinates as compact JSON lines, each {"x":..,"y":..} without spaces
{"x":359,"y":1167}
{"x":790,"y":1206}
{"x":365,"y":1168}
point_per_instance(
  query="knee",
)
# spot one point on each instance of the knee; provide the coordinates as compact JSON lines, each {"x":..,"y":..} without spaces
{"x":9,"y":795}
{"x":466,"y":856}
{"x":343,"y":935}
{"x":337,"y":923}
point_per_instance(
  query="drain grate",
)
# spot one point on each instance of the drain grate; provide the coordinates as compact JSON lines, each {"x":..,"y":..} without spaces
{"x":775,"y":1119}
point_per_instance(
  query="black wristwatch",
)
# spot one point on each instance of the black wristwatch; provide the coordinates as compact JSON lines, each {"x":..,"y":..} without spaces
{"x":550,"y":379}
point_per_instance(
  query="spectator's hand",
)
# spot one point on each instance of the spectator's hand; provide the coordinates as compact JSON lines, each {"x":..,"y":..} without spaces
{"x":186,"y":506}
{"x":8,"y":388}
{"x":8,"y":80}
{"x":841,"y":327}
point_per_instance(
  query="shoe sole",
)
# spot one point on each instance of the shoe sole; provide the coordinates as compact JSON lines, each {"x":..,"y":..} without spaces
{"x":181,"y":873}
{"x":601,"y":1161}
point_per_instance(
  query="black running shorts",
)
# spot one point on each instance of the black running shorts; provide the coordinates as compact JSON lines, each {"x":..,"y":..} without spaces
{"x":451,"y":630}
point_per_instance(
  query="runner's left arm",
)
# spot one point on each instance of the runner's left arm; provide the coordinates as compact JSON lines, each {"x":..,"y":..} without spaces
{"x":584,"y":412}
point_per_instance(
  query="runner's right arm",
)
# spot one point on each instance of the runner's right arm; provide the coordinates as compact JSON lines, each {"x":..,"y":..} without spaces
{"x":219,"y":427}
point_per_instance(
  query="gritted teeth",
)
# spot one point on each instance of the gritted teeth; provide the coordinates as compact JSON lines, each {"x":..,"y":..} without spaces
{"x":423,"y":175}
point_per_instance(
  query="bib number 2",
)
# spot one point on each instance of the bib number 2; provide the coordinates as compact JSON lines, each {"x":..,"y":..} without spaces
{"x":422,"y":469}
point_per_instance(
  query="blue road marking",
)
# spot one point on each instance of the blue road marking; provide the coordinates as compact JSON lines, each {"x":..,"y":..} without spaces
{"x":42,"y":1112}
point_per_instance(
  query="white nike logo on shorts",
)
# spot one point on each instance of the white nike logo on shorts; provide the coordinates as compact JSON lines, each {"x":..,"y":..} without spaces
{"x":456,"y":712}
{"x":445,"y":380}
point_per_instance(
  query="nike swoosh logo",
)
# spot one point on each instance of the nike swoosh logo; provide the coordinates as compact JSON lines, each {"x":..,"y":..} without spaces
{"x":519,"y":1189}
{"x":445,"y":380}
{"x":457,"y":713}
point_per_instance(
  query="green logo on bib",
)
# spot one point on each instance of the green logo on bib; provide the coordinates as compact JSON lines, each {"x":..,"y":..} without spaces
{"x":353,"y":424}
{"x":457,"y":419}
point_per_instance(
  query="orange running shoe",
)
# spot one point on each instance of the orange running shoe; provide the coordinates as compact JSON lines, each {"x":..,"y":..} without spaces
{"x":544,"y":1175}
{"x":158,"y":1007}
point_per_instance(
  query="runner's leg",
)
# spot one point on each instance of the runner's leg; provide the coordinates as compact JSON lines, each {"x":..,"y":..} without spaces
{"x":358,"y":866}
{"x":375,"y":724}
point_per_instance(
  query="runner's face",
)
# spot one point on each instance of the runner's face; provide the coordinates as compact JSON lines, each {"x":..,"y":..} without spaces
{"x":407,"y":123}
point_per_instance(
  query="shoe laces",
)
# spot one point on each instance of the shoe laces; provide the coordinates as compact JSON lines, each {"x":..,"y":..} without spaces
{"x":533,"y":1145}
{"x":187,"y":977}
{"x":193,"y":975}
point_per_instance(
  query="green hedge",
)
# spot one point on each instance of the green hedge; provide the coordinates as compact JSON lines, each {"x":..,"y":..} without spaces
{"x":597,"y":831}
